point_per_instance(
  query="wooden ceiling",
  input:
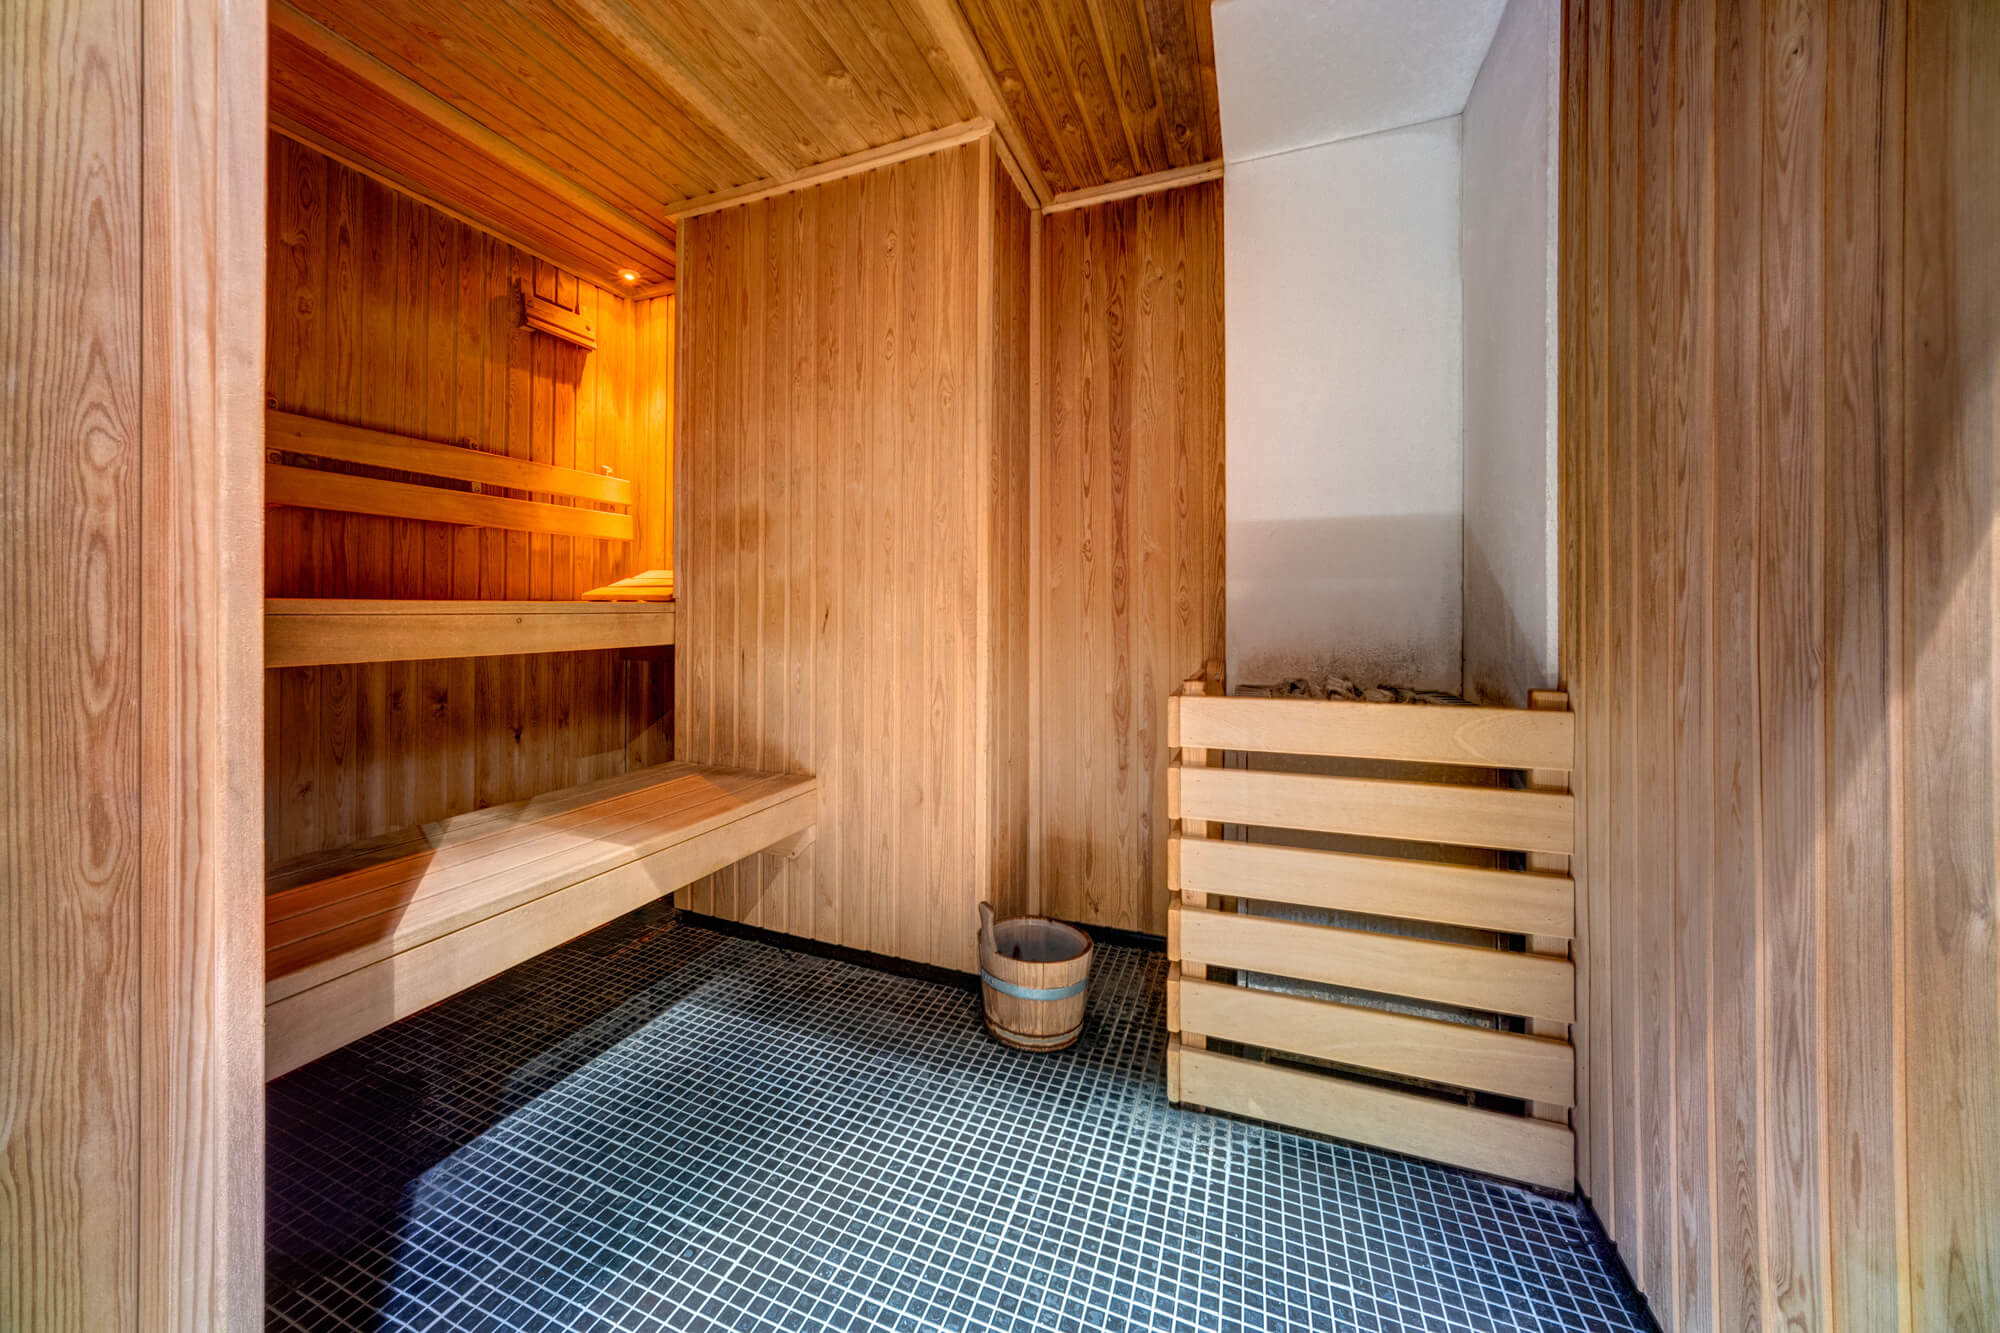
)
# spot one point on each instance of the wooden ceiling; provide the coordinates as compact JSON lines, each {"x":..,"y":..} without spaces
{"x":576,"y":129}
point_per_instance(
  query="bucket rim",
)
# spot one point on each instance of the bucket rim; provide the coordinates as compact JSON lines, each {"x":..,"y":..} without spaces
{"x":1088,"y":950}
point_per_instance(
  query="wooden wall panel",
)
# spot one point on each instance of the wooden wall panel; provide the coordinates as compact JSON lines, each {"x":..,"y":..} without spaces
{"x":1129,"y":535}
{"x":1010,"y":410}
{"x":839,"y":553}
{"x":1782,"y":337}
{"x":386,"y":313}
{"x":131,"y":1089}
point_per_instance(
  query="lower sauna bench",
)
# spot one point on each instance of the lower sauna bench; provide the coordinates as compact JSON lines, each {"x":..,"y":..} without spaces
{"x":360,"y":937}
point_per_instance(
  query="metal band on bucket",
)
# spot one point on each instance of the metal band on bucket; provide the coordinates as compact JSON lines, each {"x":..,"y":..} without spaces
{"x":1034,"y":992}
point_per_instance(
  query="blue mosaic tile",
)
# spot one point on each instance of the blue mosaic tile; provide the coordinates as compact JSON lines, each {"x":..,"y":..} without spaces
{"x":659,"y":1126}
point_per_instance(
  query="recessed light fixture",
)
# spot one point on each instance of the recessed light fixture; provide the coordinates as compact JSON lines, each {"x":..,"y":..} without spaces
{"x":627,"y":275}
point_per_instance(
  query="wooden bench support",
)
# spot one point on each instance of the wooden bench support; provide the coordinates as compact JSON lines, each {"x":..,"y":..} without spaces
{"x":392,"y":930}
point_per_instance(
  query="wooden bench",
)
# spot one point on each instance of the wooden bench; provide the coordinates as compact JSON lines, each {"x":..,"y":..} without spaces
{"x":358,"y":938}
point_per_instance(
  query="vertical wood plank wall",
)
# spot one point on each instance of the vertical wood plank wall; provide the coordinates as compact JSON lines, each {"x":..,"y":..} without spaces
{"x":1129,"y":542}
{"x":1010,"y":408}
{"x":131,"y":1102}
{"x":841,"y":554}
{"x":1781,"y":321}
{"x":386,"y":313}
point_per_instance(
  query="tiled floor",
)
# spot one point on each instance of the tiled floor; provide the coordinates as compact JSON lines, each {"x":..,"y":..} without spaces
{"x":663,"y":1127}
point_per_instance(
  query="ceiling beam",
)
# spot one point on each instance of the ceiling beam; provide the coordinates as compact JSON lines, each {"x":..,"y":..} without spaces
{"x":955,"y":38}
{"x":917,"y":145}
{"x":630,"y":35}
{"x":1171,"y":179}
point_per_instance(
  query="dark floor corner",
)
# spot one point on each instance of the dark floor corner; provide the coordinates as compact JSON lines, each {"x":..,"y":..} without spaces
{"x":663,"y":1127}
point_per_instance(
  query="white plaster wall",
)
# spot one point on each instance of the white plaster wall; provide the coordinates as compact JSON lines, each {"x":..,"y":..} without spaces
{"x":1508,"y":251}
{"x":1344,"y":380}
{"x":1295,"y":73}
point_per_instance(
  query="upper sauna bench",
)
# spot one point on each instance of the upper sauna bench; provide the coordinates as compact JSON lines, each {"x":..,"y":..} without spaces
{"x":302,"y":632}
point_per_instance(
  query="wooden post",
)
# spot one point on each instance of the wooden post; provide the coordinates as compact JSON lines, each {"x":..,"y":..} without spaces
{"x":131,"y":735}
{"x":1178,"y":968}
{"x":1549,"y":779}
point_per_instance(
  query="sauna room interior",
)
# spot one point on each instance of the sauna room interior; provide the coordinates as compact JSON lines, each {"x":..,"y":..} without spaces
{"x":1000,"y":665}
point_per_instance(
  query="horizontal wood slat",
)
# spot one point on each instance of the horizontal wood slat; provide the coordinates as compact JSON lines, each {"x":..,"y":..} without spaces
{"x":1414,"y":811}
{"x":320,"y":632}
{"x":1510,"y":901}
{"x":1509,"y":1064}
{"x":289,"y":432}
{"x":1529,"y":985}
{"x":1486,"y":737}
{"x":1537,"y":1151}
{"x":310,"y":488}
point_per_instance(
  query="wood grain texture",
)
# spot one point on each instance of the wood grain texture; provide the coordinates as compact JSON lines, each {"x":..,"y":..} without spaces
{"x":1471,"y":977}
{"x":844,"y":490}
{"x":1481,"y":737}
{"x":1460,"y":816}
{"x":558,"y":124}
{"x":576,"y":130}
{"x":131,"y":1191}
{"x":1009,"y":411}
{"x":341,"y":93}
{"x":1508,"y":901}
{"x":1501,"y":1145}
{"x":355,"y":941}
{"x":1509,"y":1064}
{"x":1103,"y":90}
{"x":291,"y":433}
{"x":1128,"y":535}
{"x":388,"y":315}
{"x":307,"y":632}
{"x":1779,"y":432}
{"x":69,"y":272}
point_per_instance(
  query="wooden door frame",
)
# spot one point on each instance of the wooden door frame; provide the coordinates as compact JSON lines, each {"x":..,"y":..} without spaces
{"x":132,"y":324}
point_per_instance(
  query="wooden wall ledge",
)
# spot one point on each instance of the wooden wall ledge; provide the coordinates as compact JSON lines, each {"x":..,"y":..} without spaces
{"x":321,"y":632}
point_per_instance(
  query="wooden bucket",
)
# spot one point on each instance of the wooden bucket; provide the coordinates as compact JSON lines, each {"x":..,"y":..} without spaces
{"x":1036,"y":977}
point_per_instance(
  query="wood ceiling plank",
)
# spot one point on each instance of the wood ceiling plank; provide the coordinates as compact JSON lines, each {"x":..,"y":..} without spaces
{"x":797,"y":55}
{"x":688,"y":36}
{"x":622,"y":30}
{"x":790,"y":53}
{"x":905,"y":45}
{"x":1176,"y":66}
{"x":656,"y":112}
{"x":340,"y":111}
{"x":880,"y":52}
{"x":448,"y":119}
{"x":1125,"y":50}
{"x":1027,"y":31}
{"x":1089,"y":83}
{"x":557,"y":113}
{"x":947,"y":27}
{"x":1056,"y":154}
{"x":1203,"y":25}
